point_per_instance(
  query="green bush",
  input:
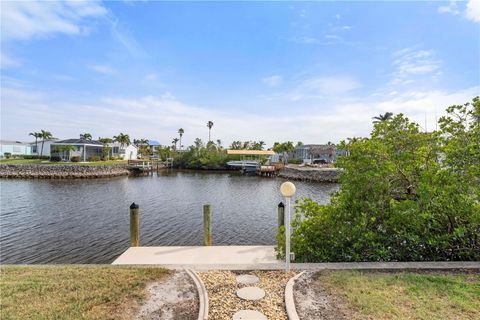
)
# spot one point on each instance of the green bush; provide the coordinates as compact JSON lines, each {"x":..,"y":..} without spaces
{"x":34,"y":156}
{"x":201,"y":156}
{"x":295,"y":161}
{"x":55,"y":158}
{"x":75,"y":159}
{"x":7,"y":155}
{"x":405,"y":195}
{"x":112,"y":158}
{"x":94,"y":158}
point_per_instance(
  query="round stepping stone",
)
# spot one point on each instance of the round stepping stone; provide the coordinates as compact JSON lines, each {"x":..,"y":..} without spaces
{"x":250,"y":293}
{"x":249,"y":315}
{"x":247,"y":279}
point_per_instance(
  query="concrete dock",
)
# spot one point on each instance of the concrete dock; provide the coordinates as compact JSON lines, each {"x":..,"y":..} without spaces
{"x":202,"y":257}
{"x":259,"y":258}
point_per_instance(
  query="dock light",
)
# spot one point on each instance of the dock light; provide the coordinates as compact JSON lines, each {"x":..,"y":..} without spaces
{"x":287,"y":189}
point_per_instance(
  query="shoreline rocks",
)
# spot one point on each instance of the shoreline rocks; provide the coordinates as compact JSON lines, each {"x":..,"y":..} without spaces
{"x":311,"y":174}
{"x":54,"y":171}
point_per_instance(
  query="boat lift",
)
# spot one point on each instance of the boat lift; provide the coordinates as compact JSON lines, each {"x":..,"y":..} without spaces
{"x":250,"y":162}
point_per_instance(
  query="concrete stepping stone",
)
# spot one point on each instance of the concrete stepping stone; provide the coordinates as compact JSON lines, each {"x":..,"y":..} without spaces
{"x":247,"y":279}
{"x":249,"y":315}
{"x":251,"y":293}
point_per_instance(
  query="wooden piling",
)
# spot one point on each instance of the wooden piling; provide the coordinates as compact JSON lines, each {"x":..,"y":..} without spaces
{"x":134,"y":225}
{"x":207,"y":225}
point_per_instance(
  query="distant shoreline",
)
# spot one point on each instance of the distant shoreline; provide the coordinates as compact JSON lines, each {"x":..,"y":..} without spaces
{"x":85,"y":171}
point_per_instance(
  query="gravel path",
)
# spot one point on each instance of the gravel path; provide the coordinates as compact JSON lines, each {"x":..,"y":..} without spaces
{"x":312,"y":301}
{"x":175,"y":298}
{"x":223,"y":301}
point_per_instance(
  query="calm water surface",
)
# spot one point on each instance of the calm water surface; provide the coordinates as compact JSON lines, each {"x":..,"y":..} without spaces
{"x":87,"y":221}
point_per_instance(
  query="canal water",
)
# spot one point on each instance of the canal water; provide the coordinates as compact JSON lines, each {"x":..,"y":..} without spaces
{"x":87,"y":221}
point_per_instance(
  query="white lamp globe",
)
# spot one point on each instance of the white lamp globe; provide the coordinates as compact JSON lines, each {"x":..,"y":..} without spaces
{"x":287,"y":189}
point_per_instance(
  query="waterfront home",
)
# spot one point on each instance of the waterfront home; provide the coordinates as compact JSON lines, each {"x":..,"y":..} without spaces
{"x":37,"y":147}
{"x":123,"y":152}
{"x":85,"y":149}
{"x":317,"y":153}
{"x":14,"y":148}
{"x":154,"y":145}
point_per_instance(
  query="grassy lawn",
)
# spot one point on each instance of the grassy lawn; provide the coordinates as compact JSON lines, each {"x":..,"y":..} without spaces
{"x":41,"y":161}
{"x":73,"y":292}
{"x":372,"y":295}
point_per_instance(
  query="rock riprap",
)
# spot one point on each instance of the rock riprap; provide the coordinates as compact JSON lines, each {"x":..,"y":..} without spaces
{"x":312,"y":174}
{"x":59,"y":171}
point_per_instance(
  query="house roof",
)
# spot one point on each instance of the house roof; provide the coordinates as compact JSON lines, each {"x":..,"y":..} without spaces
{"x":153,"y":143}
{"x":245,"y":152}
{"x":48,"y":140}
{"x":14,"y":142}
{"x":79,"y":141}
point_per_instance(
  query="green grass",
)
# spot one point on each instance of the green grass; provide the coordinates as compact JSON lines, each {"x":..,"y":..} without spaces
{"x":372,"y":295}
{"x":41,"y":161}
{"x":73,"y":292}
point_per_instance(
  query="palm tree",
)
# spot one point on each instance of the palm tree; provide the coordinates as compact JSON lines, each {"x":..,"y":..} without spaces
{"x":209,"y":125}
{"x":180,"y":133}
{"x":174,"y":142}
{"x":105,"y":140}
{"x":383,"y":117}
{"x":85,"y":136}
{"x":44,"y":135}
{"x":36,"y":135}
{"x":261,"y":144}
{"x":123,"y":139}
{"x":140,"y":142}
{"x":106,"y":148}
{"x":66,"y":151}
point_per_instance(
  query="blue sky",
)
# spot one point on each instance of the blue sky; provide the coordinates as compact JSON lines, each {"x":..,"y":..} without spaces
{"x":309,"y":71}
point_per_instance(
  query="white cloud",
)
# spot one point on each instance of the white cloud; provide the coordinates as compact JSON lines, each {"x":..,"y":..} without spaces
{"x":473,"y":10}
{"x":410,"y":64}
{"x":7,"y":61}
{"x":303,"y":40}
{"x":450,"y":8}
{"x":302,"y":13}
{"x":23,"y":20}
{"x":273,"y":81}
{"x":103,"y":69}
{"x":108,"y":116}
{"x":328,"y":85}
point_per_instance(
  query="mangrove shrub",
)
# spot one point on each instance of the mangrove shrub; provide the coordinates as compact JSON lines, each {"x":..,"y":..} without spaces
{"x":405,"y":195}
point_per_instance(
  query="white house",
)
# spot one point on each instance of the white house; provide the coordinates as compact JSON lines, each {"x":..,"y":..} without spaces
{"x":123,"y":152}
{"x":37,"y":148}
{"x":14,"y":148}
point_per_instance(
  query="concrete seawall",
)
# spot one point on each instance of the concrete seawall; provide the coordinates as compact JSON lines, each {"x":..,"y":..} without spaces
{"x":46,"y":171}
{"x":310,"y":174}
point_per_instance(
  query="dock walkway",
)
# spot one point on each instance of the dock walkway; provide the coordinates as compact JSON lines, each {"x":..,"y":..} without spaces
{"x":259,"y":258}
{"x":203,"y":257}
